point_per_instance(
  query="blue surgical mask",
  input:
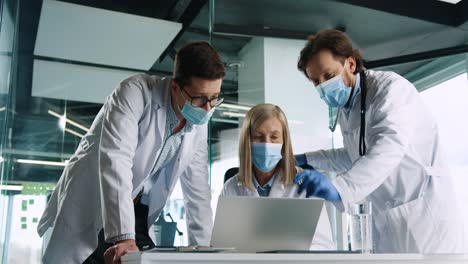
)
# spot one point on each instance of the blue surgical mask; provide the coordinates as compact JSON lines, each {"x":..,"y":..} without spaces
{"x":196,"y":115}
{"x":334,"y":92}
{"x":265,"y":156}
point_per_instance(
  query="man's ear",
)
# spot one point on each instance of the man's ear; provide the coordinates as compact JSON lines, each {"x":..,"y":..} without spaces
{"x":352,"y":64}
{"x":173,"y":84}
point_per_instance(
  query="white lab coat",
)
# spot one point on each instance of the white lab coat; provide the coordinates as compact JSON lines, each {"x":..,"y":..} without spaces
{"x":403,"y":172}
{"x":108,"y":169}
{"x":322,"y":240}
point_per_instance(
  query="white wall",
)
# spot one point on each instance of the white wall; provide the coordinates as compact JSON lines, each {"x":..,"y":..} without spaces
{"x":269,"y":74}
{"x":288,"y":88}
{"x":447,"y":102}
{"x":251,"y":73}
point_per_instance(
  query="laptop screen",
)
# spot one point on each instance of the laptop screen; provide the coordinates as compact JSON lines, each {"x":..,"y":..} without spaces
{"x":255,"y":224}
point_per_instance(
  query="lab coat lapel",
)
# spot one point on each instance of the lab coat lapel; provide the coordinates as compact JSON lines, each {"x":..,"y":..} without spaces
{"x":253,"y":193}
{"x":184,"y":155}
{"x":277,"y":189}
{"x":161,"y":109}
{"x":160,"y":97}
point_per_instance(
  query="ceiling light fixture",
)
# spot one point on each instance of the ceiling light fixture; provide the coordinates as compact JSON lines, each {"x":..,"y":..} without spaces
{"x":232,"y":114}
{"x":11,"y":187}
{"x":74,"y":132}
{"x":68,"y":120}
{"x":42,"y":162}
{"x":234,"y":106}
{"x":451,"y":1}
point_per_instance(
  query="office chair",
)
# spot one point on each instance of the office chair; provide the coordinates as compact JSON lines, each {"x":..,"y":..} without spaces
{"x":230,"y":173}
{"x":233,"y":171}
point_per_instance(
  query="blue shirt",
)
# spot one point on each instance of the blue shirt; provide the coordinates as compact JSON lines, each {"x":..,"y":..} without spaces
{"x":169,"y":149}
{"x":265,"y":189}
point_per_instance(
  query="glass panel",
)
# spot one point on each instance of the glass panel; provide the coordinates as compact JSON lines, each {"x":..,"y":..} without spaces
{"x":59,"y":83}
{"x":447,"y":102}
{"x":8,"y":55}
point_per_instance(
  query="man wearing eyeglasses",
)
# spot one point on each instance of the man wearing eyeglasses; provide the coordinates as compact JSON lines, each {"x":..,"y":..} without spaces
{"x":150,"y":132}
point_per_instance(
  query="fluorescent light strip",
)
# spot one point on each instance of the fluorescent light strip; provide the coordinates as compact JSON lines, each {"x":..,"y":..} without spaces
{"x":74,"y":132}
{"x":222,"y":120}
{"x":11,"y":187}
{"x":451,"y":1}
{"x":2,"y":109}
{"x":234,"y":106}
{"x":296,"y":122}
{"x":42,"y":162}
{"x":71,"y":122}
{"x":232,"y":114}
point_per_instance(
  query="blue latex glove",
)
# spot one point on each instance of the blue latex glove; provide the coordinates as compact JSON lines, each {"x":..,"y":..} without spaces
{"x":301,"y":159}
{"x":316,"y":184}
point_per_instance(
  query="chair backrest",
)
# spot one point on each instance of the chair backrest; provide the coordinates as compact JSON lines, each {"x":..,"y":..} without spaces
{"x":233,"y":171}
{"x":230,"y":173}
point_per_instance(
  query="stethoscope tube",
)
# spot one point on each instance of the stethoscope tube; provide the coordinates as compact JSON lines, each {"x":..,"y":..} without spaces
{"x":362,"y":129}
{"x":362,"y":132}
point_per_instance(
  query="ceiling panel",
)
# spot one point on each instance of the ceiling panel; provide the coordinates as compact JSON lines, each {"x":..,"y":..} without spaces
{"x":87,"y":34}
{"x":75,"y":82}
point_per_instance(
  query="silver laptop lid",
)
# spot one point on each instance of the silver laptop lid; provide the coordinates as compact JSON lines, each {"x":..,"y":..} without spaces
{"x":253,"y":224}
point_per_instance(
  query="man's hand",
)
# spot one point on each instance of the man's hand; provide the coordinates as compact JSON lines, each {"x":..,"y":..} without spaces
{"x":316,"y":184}
{"x":113,"y":254}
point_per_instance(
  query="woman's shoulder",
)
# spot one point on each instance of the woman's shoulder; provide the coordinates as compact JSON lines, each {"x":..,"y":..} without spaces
{"x":231,"y":185}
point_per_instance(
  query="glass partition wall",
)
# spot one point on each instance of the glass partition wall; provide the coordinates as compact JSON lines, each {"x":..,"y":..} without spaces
{"x":59,"y":60}
{"x":53,"y":83}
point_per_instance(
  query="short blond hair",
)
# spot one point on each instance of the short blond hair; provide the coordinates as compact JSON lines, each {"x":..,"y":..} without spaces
{"x":254,"y":118}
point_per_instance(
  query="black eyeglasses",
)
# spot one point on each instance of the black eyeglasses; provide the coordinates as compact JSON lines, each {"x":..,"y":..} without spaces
{"x":201,"y":101}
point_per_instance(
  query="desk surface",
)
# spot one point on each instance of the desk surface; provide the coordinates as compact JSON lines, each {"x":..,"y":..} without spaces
{"x":230,"y":258}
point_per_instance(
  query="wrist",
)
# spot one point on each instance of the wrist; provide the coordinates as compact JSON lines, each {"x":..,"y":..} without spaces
{"x":125,"y":241}
{"x":301,"y":159}
{"x":114,"y":240}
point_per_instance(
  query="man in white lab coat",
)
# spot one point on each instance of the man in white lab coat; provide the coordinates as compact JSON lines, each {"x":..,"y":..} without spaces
{"x":391,"y":155}
{"x":150,"y":132}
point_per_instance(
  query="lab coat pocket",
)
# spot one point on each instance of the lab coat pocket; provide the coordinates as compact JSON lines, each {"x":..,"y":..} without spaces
{"x":400,"y":229}
{"x":80,"y":201}
{"x":77,"y":217}
{"x":351,"y":142}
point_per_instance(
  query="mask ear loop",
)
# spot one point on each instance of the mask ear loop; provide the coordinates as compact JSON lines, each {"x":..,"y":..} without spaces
{"x":330,"y":110}
{"x":330,"y":113}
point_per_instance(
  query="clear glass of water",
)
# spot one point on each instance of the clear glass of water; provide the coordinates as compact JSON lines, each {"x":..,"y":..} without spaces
{"x":360,"y":226}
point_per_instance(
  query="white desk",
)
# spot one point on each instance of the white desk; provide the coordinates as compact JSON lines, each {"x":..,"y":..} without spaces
{"x":231,"y":258}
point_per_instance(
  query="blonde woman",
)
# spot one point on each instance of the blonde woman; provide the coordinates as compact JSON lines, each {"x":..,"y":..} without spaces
{"x":267,"y":165}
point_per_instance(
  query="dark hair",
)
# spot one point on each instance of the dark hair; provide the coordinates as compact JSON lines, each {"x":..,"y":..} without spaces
{"x":197,"y":59}
{"x":333,"y":40}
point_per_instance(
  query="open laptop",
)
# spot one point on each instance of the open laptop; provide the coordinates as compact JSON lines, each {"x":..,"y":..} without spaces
{"x":258,"y":224}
